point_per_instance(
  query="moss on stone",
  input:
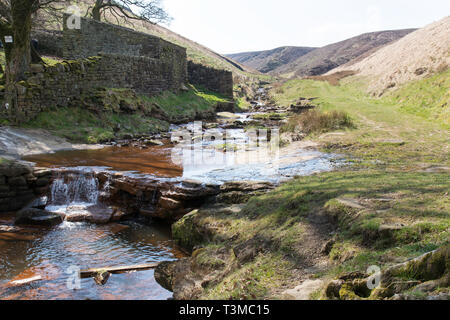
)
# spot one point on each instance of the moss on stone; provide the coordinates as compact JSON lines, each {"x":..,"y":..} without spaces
{"x":185,"y":232}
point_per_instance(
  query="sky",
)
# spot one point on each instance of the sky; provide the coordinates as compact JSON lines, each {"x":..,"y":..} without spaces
{"x":231,"y":26}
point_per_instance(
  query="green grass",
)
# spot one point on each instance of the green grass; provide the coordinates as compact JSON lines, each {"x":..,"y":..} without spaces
{"x":280,"y":218}
{"x":270,"y":116}
{"x":242,"y":104}
{"x":78,"y":124}
{"x":428,"y":98}
{"x":109,"y":121}
{"x":252,"y":281}
{"x":314,"y":121}
{"x":385,"y":131}
{"x":186,"y":105}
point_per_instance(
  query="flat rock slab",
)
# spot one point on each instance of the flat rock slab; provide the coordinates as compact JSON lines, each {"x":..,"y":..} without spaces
{"x":352,"y":203}
{"x":18,"y":142}
{"x":303,"y":291}
{"x":227,"y":115}
{"x":91,"y":214}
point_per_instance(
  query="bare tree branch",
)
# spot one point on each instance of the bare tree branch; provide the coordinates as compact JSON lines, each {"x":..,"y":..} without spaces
{"x":144,"y":10}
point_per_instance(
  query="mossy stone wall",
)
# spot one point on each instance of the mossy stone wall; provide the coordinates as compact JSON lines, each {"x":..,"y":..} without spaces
{"x":63,"y":84}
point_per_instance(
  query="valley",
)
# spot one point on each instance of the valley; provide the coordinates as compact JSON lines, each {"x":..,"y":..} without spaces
{"x":136,"y":164}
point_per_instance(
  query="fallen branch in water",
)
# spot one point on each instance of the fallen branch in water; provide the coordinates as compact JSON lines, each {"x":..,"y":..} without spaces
{"x":93,"y":272}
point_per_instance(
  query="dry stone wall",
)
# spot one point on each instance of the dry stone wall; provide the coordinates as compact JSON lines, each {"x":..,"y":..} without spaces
{"x":66,"y":83}
{"x":94,"y":37}
{"x":220,"y":81}
{"x":50,"y":42}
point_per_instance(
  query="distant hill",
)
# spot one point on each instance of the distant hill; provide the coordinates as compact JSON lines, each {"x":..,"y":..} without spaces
{"x":268,"y":60}
{"x":417,"y":55}
{"x":322,"y":60}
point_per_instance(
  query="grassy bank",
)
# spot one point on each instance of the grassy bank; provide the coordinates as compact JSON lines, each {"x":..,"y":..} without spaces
{"x":389,"y":204}
{"x":117,"y":113}
{"x":386,"y":132}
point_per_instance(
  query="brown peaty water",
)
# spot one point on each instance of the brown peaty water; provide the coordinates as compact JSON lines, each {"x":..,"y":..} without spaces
{"x":154,"y":160}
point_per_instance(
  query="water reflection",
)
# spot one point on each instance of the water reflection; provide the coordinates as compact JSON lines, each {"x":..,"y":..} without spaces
{"x":53,"y":251}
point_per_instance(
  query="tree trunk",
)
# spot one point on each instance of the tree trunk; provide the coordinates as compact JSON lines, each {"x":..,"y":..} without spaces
{"x":20,"y":54}
{"x":17,"y":54}
{"x":96,"y":15}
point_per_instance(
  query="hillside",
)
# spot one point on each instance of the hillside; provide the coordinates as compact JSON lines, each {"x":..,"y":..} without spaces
{"x":268,"y":60}
{"x":417,"y":55}
{"x":322,"y":60}
{"x":195,"y":51}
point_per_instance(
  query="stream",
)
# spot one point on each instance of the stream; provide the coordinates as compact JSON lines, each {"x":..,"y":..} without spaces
{"x":52,"y":253}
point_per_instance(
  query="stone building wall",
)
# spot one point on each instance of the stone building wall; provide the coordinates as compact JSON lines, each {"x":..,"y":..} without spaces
{"x":220,"y":81}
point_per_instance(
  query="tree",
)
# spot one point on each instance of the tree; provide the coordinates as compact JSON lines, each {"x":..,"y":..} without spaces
{"x":145,"y":10}
{"x":16,"y":17}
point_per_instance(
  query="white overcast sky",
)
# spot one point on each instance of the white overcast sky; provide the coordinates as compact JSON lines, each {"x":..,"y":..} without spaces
{"x":230,"y":26}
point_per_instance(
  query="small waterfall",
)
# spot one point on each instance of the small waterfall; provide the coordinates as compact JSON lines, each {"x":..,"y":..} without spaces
{"x":105,"y":191}
{"x":75,"y":188}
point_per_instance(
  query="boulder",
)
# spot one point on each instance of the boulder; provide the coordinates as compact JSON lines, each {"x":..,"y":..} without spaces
{"x":33,"y":216}
{"x":14,"y":169}
{"x":170,"y":204}
{"x":19,"y":181}
{"x":186,"y":232}
{"x":39,"y":203}
{"x":119,"y":215}
{"x":164,"y":274}
{"x":42,"y":182}
{"x":423,"y":274}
